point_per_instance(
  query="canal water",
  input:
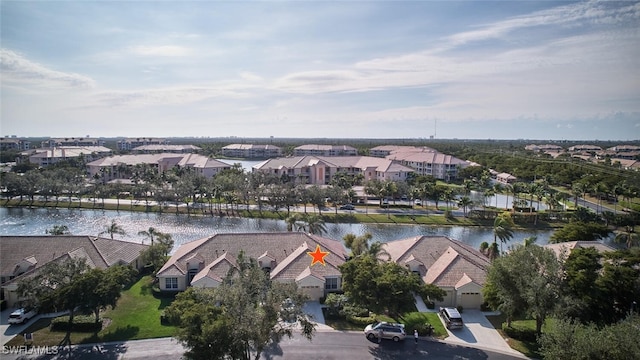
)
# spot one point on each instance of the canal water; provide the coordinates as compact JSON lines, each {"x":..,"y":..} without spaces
{"x":183,"y":228}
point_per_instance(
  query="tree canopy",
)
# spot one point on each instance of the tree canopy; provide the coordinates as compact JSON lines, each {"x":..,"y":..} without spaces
{"x":580,"y":231}
{"x":379,"y":286}
{"x":242,"y":316}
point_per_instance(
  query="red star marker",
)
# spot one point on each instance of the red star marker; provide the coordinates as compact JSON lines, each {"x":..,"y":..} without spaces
{"x":317,"y":256}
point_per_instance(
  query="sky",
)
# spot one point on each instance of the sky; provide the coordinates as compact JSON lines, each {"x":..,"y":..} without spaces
{"x":321,"y":69}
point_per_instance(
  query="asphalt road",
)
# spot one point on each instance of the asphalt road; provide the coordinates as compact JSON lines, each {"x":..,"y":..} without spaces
{"x":324,"y":346}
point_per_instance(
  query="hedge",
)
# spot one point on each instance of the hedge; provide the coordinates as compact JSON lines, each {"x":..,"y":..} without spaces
{"x":520,"y":332}
{"x":81,"y":323}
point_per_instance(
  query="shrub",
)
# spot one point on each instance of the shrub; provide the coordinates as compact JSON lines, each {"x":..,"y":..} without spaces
{"x":431,"y":305}
{"x":459,"y":307}
{"x":519,"y":332}
{"x":361,"y":320}
{"x":485,"y":307}
{"x":81,"y":323}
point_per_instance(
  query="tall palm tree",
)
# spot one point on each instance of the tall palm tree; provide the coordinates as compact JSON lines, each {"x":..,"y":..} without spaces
{"x":502,"y":229}
{"x":112,"y":229}
{"x":151,"y":233}
{"x":464,"y":203}
{"x":315,"y":224}
{"x":629,"y":237}
{"x":497,"y":189}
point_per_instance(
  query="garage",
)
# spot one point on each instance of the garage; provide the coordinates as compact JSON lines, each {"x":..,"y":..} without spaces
{"x":470,"y":300}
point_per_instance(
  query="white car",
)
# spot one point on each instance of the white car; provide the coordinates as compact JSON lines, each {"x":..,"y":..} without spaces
{"x":385,"y":330}
{"x":21,"y":315}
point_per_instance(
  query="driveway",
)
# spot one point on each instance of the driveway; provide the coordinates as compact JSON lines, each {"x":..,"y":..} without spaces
{"x":314,"y":310}
{"x":479,"y":333}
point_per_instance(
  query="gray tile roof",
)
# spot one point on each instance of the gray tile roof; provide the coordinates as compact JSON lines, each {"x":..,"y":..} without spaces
{"x":447,"y":261}
{"x":288,"y":249}
{"x":40,"y":250}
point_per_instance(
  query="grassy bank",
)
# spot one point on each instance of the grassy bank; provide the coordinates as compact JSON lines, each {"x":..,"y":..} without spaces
{"x":137,"y":316}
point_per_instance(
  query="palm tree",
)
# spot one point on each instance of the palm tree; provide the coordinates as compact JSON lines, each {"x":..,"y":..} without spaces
{"x":377,"y":251}
{"x":531,"y":240}
{"x":59,"y":230}
{"x":151,"y":233}
{"x":629,"y":237}
{"x":292,"y":221}
{"x":484,"y":247}
{"x":315,"y":224}
{"x":114,"y":228}
{"x":497,"y":189}
{"x":464,"y":203}
{"x":502,"y":229}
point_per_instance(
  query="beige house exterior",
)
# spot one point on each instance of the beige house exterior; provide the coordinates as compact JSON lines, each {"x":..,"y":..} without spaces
{"x":319,"y":170}
{"x":23,"y":256}
{"x":249,"y":151}
{"x":453,"y":266}
{"x":49,"y":156}
{"x":325,"y":150}
{"x":131,"y":143}
{"x":206,"y":262}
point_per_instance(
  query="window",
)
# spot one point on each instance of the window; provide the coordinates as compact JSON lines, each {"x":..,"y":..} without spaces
{"x":331,"y":283}
{"x":171,"y":283}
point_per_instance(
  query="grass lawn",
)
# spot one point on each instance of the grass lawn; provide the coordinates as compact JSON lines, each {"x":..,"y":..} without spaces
{"x":528,"y":348}
{"x":137,"y":316}
{"x":409,"y":320}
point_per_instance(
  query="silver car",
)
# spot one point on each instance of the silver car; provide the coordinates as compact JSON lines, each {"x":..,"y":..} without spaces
{"x":385,"y":330}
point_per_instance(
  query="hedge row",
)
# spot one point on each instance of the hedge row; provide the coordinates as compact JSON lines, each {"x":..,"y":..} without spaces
{"x":81,"y":323}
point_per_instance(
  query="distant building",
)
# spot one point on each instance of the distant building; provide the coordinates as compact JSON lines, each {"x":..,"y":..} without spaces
{"x":131,"y":143}
{"x":44,"y":157}
{"x":544,"y":148}
{"x":386,"y":150}
{"x":325,"y":150}
{"x":123,"y":166}
{"x":251,"y":151}
{"x":319,"y":170}
{"x":506,"y":178}
{"x":72,"y":141}
{"x":7,"y":143}
{"x":427,"y":162}
{"x":584,"y":148}
{"x":162,"y":148}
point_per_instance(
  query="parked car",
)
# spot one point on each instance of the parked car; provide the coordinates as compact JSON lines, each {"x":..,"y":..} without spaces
{"x":451,"y":318}
{"x":22,"y":315}
{"x":418,"y":202}
{"x":347,"y":207}
{"x":386,"y":330}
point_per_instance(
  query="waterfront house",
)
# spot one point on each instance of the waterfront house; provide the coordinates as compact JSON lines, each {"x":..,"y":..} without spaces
{"x":23,"y":256}
{"x":455,"y":267}
{"x":206,"y":262}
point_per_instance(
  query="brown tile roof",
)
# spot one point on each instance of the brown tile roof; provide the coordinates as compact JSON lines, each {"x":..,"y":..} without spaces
{"x":40,"y":250}
{"x":447,"y":261}
{"x":565,"y":248}
{"x":288,"y":249}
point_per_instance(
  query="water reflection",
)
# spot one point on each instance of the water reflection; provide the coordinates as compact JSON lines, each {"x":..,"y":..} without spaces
{"x":24,"y":221}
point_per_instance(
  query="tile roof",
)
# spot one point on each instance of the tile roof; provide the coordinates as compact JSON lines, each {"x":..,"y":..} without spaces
{"x":447,"y":261}
{"x":565,"y":248}
{"x":40,"y":250}
{"x":360,"y":162}
{"x":429,"y":157}
{"x":288,"y":249}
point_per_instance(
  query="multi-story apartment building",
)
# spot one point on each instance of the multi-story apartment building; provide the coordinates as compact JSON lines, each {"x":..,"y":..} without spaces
{"x":13,"y":143}
{"x":72,"y":141}
{"x":426,"y":161}
{"x":325,"y":150}
{"x":319,"y":170}
{"x":48,"y":156}
{"x":251,"y":151}
{"x":131,"y":143}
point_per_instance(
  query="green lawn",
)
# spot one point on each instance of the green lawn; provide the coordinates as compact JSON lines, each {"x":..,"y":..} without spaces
{"x":137,"y":316}
{"x":528,"y":348}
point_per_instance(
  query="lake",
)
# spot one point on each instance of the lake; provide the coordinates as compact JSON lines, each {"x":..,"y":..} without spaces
{"x":183,"y":228}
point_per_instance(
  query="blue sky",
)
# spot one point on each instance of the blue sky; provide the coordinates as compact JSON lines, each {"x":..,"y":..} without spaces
{"x":334,"y":69}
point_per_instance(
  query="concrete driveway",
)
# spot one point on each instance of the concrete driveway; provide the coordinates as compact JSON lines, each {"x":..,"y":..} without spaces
{"x":479,"y":333}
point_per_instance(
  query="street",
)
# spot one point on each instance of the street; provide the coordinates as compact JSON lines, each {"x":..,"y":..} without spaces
{"x":325,"y":345}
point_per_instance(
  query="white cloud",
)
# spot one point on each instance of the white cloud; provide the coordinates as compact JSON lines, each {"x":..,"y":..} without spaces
{"x":17,"y":68}
{"x":164,"y":96}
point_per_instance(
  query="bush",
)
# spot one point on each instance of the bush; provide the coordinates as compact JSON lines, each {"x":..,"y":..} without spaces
{"x":361,"y":320}
{"x":431,"y":305}
{"x":485,"y":307}
{"x":81,"y":323}
{"x":165,"y":320}
{"x":459,"y":307}
{"x":519,"y":332}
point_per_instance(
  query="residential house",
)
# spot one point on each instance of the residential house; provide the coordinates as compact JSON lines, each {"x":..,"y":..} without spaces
{"x":564,"y":249}
{"x":44,"y":157}
{"x":505,"y":178}
{"x":544,"y":148}
{"x":12,"y":143}
{"x":132,"y":143}
{"x":325,"y":150}
{"x":251,"y":151}
{"x":123,"y":166}
{"x":23,"y":256}
{"x":319,"y":170}
{"x":455,"y":267}
{"x":72,"y":141}
{"x":584,"y":148}
{"x":206,"y":262}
